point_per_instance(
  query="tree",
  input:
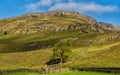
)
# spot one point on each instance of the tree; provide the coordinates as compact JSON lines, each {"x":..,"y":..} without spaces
{"x":62,"y":51}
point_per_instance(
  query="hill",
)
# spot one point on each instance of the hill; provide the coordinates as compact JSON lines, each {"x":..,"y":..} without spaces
{"x":31,"y":37}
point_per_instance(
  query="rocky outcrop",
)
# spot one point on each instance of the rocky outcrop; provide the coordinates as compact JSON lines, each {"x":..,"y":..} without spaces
{"x":39,"y":22}
{"x":98,"y":41}
{"x":53,"y":27}
{"x":108,"y":26}
{"x":94,"y":25}
{"x":62,"y":12}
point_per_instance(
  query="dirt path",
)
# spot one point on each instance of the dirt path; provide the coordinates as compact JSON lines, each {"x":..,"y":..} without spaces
{"x":102,"y":47}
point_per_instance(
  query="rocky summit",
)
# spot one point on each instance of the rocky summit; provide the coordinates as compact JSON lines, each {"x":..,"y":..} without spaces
{"x":56,"y":21}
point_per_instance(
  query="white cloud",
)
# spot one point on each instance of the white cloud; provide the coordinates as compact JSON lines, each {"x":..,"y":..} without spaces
{"x":38,"y":4}
{"x":84,"y":7}
{"x":72,"y":5}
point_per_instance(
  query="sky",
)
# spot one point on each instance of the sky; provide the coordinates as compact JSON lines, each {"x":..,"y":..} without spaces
{"x":102,"y":10}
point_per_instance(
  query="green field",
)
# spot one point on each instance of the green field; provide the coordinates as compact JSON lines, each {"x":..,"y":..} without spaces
{"x":67,"y":73}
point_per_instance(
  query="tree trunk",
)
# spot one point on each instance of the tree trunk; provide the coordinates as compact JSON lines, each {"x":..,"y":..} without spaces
{"x":61,"y":64}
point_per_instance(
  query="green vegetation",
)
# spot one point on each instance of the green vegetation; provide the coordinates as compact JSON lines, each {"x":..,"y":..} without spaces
{"x":100,"y":55}
{"x":61,"y":52}
{"x":20,"y":43}
{"x":67,"y":73}
{"x":31,"y":59}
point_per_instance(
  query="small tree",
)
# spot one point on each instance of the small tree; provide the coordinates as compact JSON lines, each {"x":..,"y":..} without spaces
{"x":62,"y":51}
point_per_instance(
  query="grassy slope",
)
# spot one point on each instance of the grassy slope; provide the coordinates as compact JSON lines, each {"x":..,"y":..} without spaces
{"x":25,"y":59}
{"x":102,"y":55}
{"x":69,"y":73}
{"x":11,"y":45}
{"x":106,"y":57}
{"x":18,"y":43}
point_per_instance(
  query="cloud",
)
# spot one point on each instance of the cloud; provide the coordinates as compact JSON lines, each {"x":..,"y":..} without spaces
{"x":38,"y":4}
{"x":85,"y":7}
{"x":41,"y":4}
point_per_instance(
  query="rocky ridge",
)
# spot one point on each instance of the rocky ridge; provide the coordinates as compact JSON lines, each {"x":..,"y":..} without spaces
{"x":30,"y":23}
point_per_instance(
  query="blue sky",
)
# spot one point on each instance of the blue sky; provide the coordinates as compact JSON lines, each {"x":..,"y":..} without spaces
{"x":103,"y":10}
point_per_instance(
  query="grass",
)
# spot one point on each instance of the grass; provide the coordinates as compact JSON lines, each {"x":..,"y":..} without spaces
{"x":101,"y":56}
{"x":67,"y":73}
{"x":31,"y":59}
{"x":81,"y":73}
{"x":11,"y":43}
